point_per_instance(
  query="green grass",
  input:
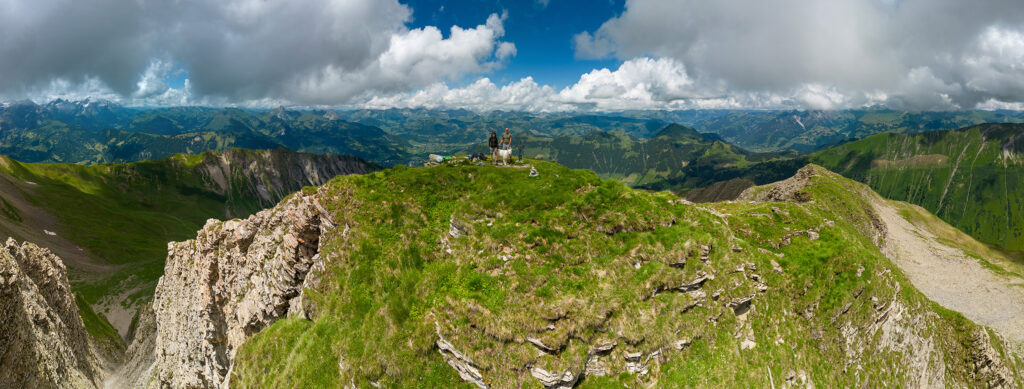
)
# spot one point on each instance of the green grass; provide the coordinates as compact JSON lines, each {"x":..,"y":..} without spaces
{"x":97,"y":326}
{"x":591,"y":258}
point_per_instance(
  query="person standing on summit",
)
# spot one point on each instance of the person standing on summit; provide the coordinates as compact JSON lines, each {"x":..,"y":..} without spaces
{"x":493,"y":143}
{"x":506,"y":140}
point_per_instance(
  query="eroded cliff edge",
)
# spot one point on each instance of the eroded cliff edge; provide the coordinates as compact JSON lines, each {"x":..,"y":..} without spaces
{"x":230,"y":282}
{"x":43,"y":341}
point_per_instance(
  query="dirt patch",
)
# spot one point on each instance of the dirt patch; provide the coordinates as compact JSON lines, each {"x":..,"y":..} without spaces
{"x":949,"y":277}
{"x":118,"y":315}
{"x":915,"y":162}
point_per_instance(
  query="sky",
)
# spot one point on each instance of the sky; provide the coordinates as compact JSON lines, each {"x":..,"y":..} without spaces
{"x":524,"y":55}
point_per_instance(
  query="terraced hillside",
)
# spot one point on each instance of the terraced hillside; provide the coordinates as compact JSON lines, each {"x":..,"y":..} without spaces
{"x":111,"y":222}
{"x":464,"y":275}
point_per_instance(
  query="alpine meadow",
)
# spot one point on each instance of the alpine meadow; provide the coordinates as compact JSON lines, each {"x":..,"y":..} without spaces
{"x":548,"y":194}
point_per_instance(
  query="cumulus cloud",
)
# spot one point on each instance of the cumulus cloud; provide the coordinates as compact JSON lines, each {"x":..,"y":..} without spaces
{"x":680,"y":54}
{"x":301,"y":51}
{"x":639,"y":83}
{"x":920,"y":54}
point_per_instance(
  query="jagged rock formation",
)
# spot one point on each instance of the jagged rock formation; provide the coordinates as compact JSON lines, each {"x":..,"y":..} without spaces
{"x":230,"y":282}
{"x":269,"y":175}
{"x":145,"y":205}
{"x":43,"y":342}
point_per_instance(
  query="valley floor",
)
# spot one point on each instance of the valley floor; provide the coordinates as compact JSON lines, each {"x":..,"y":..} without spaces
{"x":952,"y":278}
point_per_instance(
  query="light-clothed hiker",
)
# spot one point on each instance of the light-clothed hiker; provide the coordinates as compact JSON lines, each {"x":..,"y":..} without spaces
{"x":506,"y":140}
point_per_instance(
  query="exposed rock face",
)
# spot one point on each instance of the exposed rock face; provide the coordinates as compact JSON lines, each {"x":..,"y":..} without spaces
{"x":269,"y":175}
{"x":234,"y":279}
{"x":43,"y":342}
{"x":790,"y":189}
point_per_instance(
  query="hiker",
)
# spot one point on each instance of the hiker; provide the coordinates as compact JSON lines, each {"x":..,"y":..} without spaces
{"x":493,"y":142}
{"x":506,"y":140}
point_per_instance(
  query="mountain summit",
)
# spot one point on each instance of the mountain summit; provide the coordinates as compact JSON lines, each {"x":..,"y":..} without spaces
{"x":495,"y":278}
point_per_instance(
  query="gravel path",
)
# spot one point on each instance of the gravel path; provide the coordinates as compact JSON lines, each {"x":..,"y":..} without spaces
{"x":952,"y":279}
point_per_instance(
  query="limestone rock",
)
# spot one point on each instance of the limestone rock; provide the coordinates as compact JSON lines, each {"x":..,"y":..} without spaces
{"x":550,"y":380}
{"x":467,"y":370}
{"x":234,"y":279}
{"x":43,"y":342}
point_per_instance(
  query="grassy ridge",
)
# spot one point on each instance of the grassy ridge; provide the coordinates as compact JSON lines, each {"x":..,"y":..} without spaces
{"x":576,"y":262}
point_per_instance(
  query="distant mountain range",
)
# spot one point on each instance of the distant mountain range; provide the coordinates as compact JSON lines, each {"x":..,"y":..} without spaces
{"x":811,"y":130}
{"x":639,"y":148}
{"x":92,"y":131}
{"x":102,"y":132}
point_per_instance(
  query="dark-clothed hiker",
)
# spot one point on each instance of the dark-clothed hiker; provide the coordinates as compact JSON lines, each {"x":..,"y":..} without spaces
{"x":493,"y":142}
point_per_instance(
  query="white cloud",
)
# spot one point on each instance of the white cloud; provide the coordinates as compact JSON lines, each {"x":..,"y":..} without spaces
{"x":301,"y":51}
{"x":414,"y":59}
{"x":639,"y":83}
{"x":921,"y":54}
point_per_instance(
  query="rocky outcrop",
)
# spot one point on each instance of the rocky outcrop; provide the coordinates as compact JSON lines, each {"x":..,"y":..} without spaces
{"x":789,"y":190}
{"x":234,"y":279}
{"x":43,"y":342}
{"x":270,"y":175}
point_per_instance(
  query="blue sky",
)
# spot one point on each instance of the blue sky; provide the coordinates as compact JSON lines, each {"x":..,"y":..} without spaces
{"x":542,"y":33}
{"x":562,"y":55}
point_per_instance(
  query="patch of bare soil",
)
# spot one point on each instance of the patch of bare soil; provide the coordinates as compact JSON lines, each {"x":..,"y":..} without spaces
{"x":916,"y":162}
{"x":952,"y":279}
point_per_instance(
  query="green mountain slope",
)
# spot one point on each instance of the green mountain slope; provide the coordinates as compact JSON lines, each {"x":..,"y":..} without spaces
{"x":568,"y":280}
{"x":111,"y":222}
{"x":972,"y":178}
{"x":812,"y":130}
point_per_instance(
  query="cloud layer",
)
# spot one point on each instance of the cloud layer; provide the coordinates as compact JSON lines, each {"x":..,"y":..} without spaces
{"x":300,"y":51}
{"x":916,"y":54}
{"x":905,"y":54}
